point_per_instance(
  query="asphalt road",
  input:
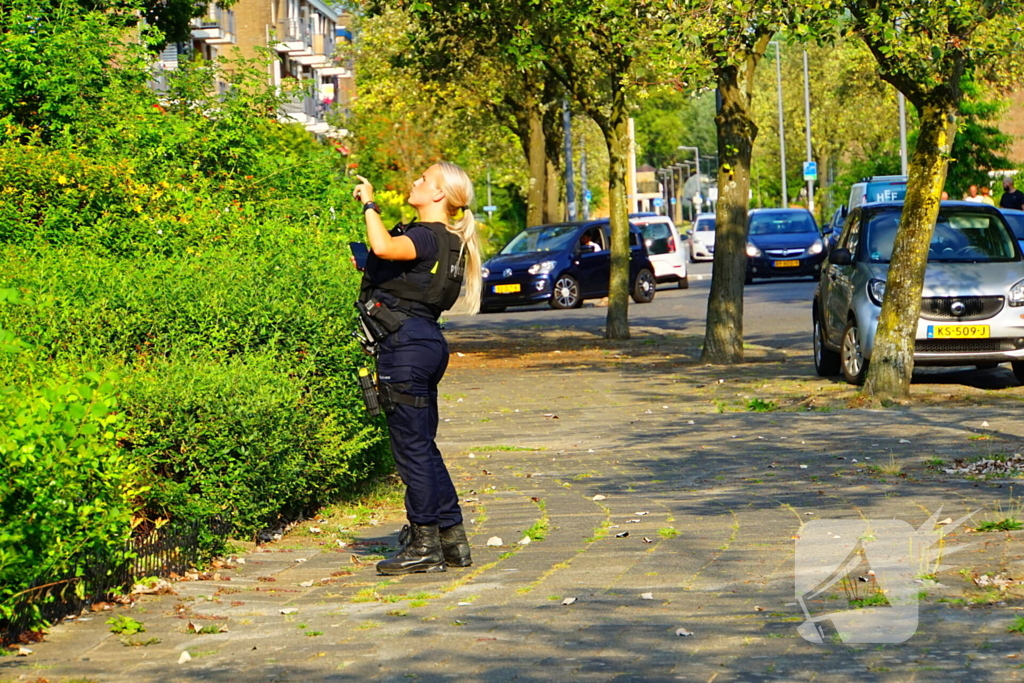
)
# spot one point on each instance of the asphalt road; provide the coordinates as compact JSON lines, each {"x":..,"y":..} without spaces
{"x":777,"y":313}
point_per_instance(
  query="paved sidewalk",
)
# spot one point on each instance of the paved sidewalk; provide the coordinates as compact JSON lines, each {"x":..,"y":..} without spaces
{"x":712,"y":496}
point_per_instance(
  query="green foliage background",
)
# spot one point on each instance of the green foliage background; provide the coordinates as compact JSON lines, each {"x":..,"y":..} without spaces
{"x":175,"y":308}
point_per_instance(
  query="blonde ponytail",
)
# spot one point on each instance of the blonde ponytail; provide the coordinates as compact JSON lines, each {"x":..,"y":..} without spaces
{"x":458,"y":190}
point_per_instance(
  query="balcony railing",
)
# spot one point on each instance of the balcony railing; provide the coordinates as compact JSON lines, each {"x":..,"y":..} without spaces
{"x":293,"y":31}
{"x":218,"y":26}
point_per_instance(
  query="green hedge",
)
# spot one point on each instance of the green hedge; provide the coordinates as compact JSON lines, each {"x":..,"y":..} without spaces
{"x":196,"y":249}
{"x":67,"y":490}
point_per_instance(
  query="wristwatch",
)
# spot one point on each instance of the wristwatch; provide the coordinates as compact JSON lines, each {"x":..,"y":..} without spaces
{"x":371,"y":205}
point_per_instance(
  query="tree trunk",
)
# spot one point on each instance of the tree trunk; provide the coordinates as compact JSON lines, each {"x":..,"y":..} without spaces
{"x":723,"y":334}
{"x":536,"y":160}
{"x":892,"y":357}
{"x":553,"y":207}
{"x":616,"y":136}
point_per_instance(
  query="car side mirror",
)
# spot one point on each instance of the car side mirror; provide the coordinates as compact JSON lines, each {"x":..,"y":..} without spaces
{"x":840,"y":257}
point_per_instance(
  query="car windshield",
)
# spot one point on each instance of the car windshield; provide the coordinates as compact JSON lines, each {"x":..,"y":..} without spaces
{"x":656,"y":236}
{"x":705,"y":225}
{"x":543,"y":238}
{"x":1016,"y":221}
{"x":778,"y":223}
{"x":963,"y":236}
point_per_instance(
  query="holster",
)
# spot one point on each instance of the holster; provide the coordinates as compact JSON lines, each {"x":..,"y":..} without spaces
{"x":392,"y":394}
{"x":378,"y":319}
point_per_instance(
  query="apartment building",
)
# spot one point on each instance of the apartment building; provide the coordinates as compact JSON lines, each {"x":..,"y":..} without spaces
{"x":303,"y":34}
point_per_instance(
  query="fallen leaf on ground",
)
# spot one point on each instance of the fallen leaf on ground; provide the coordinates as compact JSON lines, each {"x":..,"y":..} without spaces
{"x":525,"y":540}
{"x":568,"y":601}
{"x":622,"y":534}
{"x":599,"y":497}
{"x":494,"y":541}
{"x":289,"y":610}
{"x":185,"y":657}
{"x":647,"y":596}
{"x":647,"y":540}
{"x":306,"y":584}
{"x":683,"y":632}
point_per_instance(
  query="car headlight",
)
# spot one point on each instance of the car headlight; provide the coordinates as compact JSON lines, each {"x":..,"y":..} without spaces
{"x":485,"y":272}
{"x":816,"y":247}
{"x":876,"y":291}
{"x":1017,"y":294}
{"x":542,"y":268}
{"x":752,"y":251}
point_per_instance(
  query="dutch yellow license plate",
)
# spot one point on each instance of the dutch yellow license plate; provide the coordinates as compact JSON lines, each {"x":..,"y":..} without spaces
{"x":786,"y":264}
{"x":958,"y":331}
{"x":506,"y":289}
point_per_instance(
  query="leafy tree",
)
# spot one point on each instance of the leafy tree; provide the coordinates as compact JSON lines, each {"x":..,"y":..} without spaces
{"x":925,"y":50}
{"x":601,"y":52}
{"x":979,"y":145}
{"x":596,"y":52}
{"x":668,"y":118}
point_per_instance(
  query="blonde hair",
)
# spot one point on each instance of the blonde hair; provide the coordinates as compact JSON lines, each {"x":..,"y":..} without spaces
{"x":458,"y":190}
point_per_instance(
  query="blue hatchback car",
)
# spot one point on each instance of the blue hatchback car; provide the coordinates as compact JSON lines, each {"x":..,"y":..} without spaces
{"x":562,"y":264}
{"x":784,"y":243}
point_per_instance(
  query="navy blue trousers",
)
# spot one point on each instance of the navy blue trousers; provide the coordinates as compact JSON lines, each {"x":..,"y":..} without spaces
{"x":417,"y":356}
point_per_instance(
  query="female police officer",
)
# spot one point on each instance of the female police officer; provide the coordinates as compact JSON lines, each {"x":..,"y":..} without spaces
{"x":412,"y":275}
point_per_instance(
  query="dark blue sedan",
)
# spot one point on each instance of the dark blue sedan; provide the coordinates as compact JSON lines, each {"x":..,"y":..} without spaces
{"x":562,"y":264}
{"x":783,"y":243}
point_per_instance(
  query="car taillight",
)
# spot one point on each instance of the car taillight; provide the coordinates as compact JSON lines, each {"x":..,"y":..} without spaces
{"x":671,"y":244}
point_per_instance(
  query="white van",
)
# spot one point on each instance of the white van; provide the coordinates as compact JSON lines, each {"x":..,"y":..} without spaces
{"x":879,"y":188}
{"x":664,"y":248}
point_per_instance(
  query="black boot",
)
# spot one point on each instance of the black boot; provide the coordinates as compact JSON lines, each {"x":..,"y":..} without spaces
{"x":455,"y":546}
{"x":422,"y":552}
{"x":453,"y":542}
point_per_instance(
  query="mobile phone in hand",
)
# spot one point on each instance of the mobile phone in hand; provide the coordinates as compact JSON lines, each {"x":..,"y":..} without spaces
{"x":359,"y":253}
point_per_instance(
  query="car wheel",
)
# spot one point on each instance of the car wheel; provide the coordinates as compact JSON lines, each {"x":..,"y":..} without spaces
{"x":684,"y":282}
{"x":826,"y":361}
{"x":644,"y":287}
{"x":566,"y":293}
{"x":1018,"y":370}
{"x":854,"y":365}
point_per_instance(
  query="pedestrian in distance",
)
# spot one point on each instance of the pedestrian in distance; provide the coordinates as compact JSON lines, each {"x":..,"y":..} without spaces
{"x":413,"y":274}
{"x":972,"y":194}
{"x":986,"y":196}
{"x":1012,"y":197}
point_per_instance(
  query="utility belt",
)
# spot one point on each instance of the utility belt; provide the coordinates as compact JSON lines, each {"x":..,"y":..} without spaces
{"x":377,"y":322}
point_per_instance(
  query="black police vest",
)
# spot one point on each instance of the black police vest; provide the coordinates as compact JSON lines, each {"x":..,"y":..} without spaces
{"x":440,"y":292}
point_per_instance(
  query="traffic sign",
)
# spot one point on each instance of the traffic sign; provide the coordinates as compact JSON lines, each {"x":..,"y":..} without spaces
{"x":810,"y":170}
{"x":657,"y":201}
{"x":490,"y":209}
{"x":588,"y":195}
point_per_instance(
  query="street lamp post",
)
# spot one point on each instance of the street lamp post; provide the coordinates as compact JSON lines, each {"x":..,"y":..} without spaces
{"x":782,"y":129}
{"x":696,"y":153}
{"x":807,"y":120}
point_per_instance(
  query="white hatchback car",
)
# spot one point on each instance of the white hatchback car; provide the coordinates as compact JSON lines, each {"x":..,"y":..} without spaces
{"x":702,"y":238}
{"x":664,"y":248}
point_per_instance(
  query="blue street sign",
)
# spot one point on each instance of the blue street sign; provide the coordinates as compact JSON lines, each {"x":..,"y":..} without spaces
{"x":490,"y":209}
{"x":657,"y":201}
{"x":588,"y":195}
{"x":672,"y":201}
{"x":810,"y":170}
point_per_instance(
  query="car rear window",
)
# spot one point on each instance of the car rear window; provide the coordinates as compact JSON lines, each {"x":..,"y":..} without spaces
{"x":656,"y":236}
{"x":964,"y":237}
{"x":781,"y":223}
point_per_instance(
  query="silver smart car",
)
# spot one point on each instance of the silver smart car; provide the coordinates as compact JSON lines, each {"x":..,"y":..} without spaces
{"x":972,"y":310}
